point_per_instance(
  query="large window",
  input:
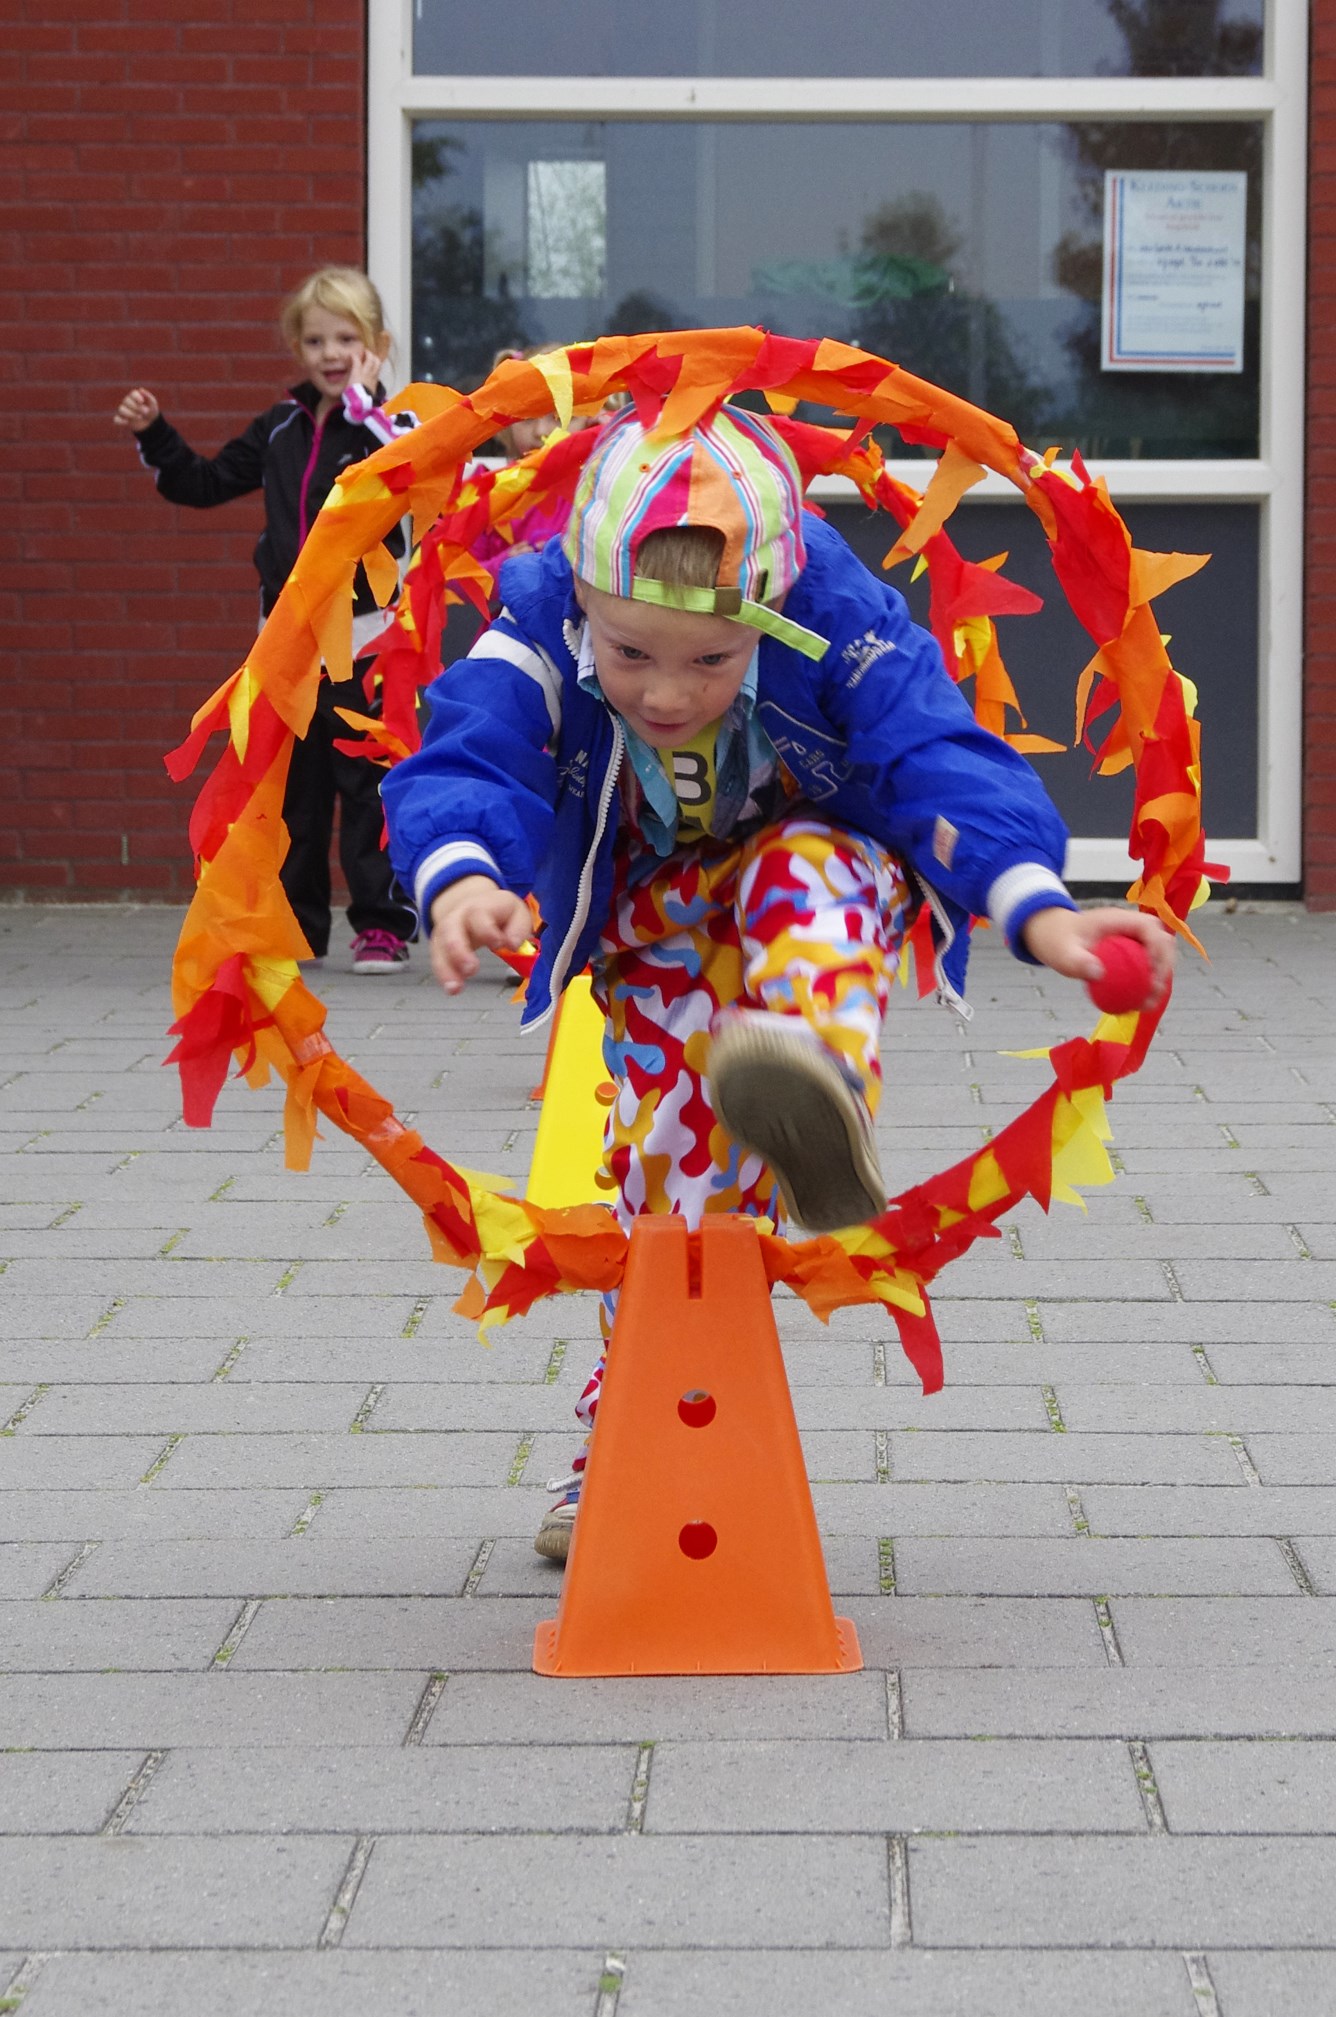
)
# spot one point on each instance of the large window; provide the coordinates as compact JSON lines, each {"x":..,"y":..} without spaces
{"x":999,"y":198}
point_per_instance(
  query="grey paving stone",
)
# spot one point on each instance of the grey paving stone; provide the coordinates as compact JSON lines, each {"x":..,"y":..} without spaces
{"x":308,"y":1565}
{"x":560,"y":1983}
{"x":61,"y":1792}
{"x":1184,"y":1894}
{"x":756,"y":1983}
{"x":488,"y":1789}
{"x":1211,"y":1509}
{"x":1292,"y":1460}
{"x":60,"y":1891}
{"x":153,"y":1711}
{"x":432,"y":1512}
{"x":26,"y":1569}
{"x":1199,"y":1322}
{"x":1318,"y":1554}
{"x":905,"y":1508}
{"x":482,"y":1708}
{"x":766,"y":1788}
{"x":1091,"y":1567}
{"x":70,"y":1637}
{"x":476,"y":1458}
{"x":1228,"y":1632}
{"x":1299,"y":1365}
{"x":110,"y":1358}
{"x":1295,"y":1280}
{"x":910,"y":1631}
{"x":256,"y":1316}
{"x":902,"y":1407}
{"x":1258,"y":1985}
{"x":413,"y":1632}
{"x":1243,"y":1788}
{"x":215,"y":1407}
{"x":808,"y":1891}
{"x":1021,"y":1456}
{"x":144,"y":1514}
{"x":508,"y":1407}
{"x":1144,"y":1701}
{"x":513,"y":1361}
{"x":87,"y":1461}
{"x":1244,"y":1410}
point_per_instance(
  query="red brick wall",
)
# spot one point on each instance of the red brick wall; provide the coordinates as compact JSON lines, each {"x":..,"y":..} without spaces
{"x":1320,"y":653}
{"x":168,"y":172}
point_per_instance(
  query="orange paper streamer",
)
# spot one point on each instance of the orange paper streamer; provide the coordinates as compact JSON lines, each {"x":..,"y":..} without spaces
{"x":236,"y":988}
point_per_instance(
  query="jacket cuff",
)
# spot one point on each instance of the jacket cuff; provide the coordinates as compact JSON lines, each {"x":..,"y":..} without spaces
{"x":444,"y":865}
{"x":1020,"y":891}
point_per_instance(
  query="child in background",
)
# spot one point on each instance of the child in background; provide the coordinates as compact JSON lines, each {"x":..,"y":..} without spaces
{"x":729,"y":767}
{"x":335,"y":328}
{"x":531,"y":531}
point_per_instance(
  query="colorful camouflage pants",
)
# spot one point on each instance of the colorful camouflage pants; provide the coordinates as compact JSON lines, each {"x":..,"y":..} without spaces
{"x":801,"y":919}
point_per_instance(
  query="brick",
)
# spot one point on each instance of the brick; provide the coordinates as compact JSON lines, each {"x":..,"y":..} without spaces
{"x":768,"y":1788}
{"x":1091,"y":1567}
{"x":1244,"y":1788}
{"x":70,"y":1517}
{"x":140,"y":1893}
{"x":338,"y":1982}
{"x":62,"y":1793}
{"x":27,"y":1566}
{"x":1019,"y":1455}
{"x":224,"y":1710}
{"x":1133,"y":1702}
{"x":70,"y":1637}
{"x":677,"y":1983}
{"x":1178,"y":1894}
{"x":776,"y":1891}
{"x":520,"y":1787}
{"x":307,"y":1565}
{"x":1210,"y":1509}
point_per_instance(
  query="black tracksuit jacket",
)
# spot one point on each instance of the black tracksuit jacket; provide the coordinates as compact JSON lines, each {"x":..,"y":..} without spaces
{"x":295,"y":462}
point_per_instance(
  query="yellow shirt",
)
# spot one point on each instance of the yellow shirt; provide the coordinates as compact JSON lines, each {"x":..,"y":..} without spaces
{"x":690,"y":771}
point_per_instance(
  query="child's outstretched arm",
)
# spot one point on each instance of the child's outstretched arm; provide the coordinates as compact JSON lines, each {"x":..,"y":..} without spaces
{"x":1068,"y":941}
{"x":472,"y":913}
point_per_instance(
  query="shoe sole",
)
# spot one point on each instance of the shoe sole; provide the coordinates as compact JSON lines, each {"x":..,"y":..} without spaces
{"x":379,"y":965}
{"x":784,"y":1100}
{"x":553,"y":1539}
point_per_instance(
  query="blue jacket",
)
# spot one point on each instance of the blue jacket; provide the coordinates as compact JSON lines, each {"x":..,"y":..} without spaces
{"x":517,"y":774}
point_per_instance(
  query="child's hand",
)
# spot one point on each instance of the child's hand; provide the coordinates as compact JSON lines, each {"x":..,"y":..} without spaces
{"x":1068,"y":941}
{"x":473,"y":912}
{"x":138,"y":410}
{"x":368,"y":369}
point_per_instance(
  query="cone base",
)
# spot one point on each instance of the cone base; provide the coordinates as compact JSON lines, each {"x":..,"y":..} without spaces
{"x":548,"y":1659}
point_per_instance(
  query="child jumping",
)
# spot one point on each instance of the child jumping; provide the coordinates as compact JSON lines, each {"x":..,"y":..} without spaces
{"x":335,"y":328}
{"x":730,"y":769}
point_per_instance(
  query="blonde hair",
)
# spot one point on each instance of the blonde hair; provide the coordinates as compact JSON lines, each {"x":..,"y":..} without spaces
{"x":682,"y":556}
{"x":342,"y":290}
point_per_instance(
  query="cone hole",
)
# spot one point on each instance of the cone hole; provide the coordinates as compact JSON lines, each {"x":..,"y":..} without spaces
{"x":697,"y":1540}
{"x":697,"y":1408}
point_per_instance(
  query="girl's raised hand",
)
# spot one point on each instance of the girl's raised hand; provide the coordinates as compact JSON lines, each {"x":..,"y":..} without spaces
{"x":368,"y":368}
{"x":138,"y":410}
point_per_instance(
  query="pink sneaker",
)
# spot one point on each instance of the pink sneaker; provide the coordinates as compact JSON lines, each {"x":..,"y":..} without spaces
{"x":378,"y":952}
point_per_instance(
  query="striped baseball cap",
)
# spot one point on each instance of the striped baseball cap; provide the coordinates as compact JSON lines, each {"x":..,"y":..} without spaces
{"x":732,"y":473}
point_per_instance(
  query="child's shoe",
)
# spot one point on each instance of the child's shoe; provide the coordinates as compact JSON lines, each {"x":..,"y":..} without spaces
{"x":553,"y":1538}
{"x":779,"y":1091}
{"x":378,"y":952}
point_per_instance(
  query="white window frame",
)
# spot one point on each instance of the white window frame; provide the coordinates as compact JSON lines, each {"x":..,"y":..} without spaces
{"x":1273,"y":481}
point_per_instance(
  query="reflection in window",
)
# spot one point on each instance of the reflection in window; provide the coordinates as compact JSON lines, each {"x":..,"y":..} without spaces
{"x":969,"y":253}
{"x":853,"y":38}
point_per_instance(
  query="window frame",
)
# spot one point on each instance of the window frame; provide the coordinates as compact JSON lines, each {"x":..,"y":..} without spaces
{"x":1273,"y":480}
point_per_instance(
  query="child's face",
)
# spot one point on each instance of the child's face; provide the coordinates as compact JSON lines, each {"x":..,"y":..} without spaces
{"x":331,"y":350}
{"x":523,"y":436}
{"x":668,"y":672}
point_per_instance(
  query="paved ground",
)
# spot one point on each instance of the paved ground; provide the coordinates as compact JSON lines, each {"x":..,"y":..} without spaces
{"x":268,"y":1738}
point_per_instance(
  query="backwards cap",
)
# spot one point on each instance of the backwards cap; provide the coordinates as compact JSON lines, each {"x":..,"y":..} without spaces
{"x":732,"y":473}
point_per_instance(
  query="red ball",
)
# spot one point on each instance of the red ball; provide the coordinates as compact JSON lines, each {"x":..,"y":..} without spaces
{"x":1126,"y":979}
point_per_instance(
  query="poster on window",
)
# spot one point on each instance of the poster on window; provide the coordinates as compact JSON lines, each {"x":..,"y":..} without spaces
{"x":1174,"y":254}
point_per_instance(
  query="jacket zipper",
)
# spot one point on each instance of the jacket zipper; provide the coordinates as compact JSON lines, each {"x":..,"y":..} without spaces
{"x":948,"y":996}
{"x":302,"y":527}
{"x":585,"y":886}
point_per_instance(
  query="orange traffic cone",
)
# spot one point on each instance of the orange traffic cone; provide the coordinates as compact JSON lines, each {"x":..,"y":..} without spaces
{"x":696,"y":1549}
